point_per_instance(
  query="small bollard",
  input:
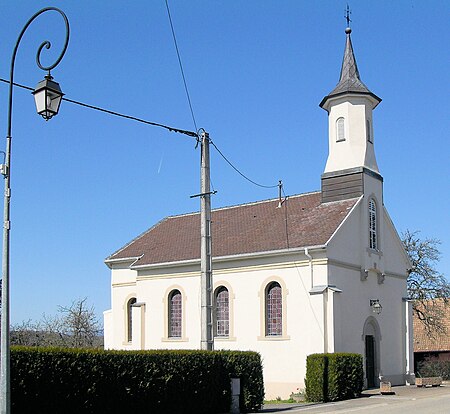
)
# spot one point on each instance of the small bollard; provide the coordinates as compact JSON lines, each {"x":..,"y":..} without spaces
{"x":385,"y":388}
{"x":235,"y":394}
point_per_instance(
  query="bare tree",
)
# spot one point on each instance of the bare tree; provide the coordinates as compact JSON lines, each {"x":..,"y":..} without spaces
{"x":429,"y":289}
{"x":79,"y":324}
{"x":26,"y":333}
{"x":75,"y":326}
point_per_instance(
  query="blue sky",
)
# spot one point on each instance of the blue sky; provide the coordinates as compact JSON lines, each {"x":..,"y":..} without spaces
{"x":86,"y":183}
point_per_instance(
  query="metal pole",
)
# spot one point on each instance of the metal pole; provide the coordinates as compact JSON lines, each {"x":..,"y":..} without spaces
{"x":5,"y":369}
{"x":207,"y":339}
{"x":5,"y":388}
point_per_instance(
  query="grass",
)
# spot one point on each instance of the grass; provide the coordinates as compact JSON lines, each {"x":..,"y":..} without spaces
{"x":280,"y":401}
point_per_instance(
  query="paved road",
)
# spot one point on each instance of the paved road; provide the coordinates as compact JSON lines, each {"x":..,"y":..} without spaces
{"x":408,"y":400}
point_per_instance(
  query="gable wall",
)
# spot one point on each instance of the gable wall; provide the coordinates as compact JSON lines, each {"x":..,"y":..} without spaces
{"x":364,"y":274}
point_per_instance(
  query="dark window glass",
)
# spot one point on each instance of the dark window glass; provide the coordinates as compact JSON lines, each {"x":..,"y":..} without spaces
{"x":222,"y":312}
{"x":131,"y":302}
{"x":274,"y":310}
{"x":175,"y":309}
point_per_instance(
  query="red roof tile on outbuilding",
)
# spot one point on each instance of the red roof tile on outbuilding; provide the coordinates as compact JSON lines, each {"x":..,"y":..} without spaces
{"x":436,"y":342}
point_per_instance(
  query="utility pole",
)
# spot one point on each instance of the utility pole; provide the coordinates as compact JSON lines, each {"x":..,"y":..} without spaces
{"x":207,"y":339}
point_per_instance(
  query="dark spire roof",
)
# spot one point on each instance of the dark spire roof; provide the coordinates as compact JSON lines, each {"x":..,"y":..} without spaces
{"x":349,"y":81}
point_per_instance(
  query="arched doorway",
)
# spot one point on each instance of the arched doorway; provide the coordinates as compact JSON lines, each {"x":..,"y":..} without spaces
{"x":371,"y":338}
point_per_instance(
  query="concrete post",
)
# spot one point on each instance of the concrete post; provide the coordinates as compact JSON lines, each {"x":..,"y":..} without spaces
{"x":235,"y":395}
{"x":207,"y":340}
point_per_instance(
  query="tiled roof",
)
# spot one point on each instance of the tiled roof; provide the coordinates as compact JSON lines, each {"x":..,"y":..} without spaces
{"x":349,"y":81}
{"x":423,"y":341}
{"x":248,"y":228}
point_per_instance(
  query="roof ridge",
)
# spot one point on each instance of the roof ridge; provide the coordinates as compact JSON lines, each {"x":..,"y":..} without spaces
{"x":243,"y":229}
{"x":197,"y":213}
{"x":250,"y":203}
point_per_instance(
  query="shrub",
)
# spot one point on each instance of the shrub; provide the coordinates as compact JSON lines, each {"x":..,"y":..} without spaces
{"x":248,"y":367}
{"x":434,"y":369}
{"x":91,"y":381}
{"x":316,"y":380}
{"x":333,"y":377}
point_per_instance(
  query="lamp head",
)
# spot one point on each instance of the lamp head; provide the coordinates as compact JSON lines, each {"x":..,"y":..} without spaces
{"x":376,"y":306}
{"x":47,"y":96}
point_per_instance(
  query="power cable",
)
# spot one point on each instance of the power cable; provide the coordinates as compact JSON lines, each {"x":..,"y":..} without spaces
{"x":286,"y":216}
{"x":239,"y":172}
{"x":192,"y":111}
{"x":169,"y":128}
{"x":133,"y":118}
{"x":181,"y":65}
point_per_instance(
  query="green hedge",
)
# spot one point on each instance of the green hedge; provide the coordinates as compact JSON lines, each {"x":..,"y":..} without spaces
{"x":91,"y":381}
{"x":333,"y":377}
{"x":434,"y":369}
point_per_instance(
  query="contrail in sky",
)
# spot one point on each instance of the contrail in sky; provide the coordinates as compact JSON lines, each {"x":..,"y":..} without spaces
{"x":160,"y":163}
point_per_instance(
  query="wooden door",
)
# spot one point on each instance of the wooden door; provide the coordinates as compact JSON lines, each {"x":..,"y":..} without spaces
{"x":370,"y":361}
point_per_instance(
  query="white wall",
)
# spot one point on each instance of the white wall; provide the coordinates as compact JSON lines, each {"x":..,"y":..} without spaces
{"x":385,"y":280}
{"x":123,"y":288}
{"x":313,"y":323}
{"x":283,"y":357}
{"x":355,"y":150}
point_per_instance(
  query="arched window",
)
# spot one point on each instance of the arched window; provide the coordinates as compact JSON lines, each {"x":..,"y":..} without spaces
{"x":369,"y":132}
{"x":175,"y":314}
{"x":130,"y":304}
{"x":340,"y":129}
{"x":373,"y":227}
{"x":222,"y":312}
{"x":274,"y":310}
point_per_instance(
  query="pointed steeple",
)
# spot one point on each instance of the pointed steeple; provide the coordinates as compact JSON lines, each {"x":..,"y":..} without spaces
{"x":349,"y":82}
{"x":351,"y":164}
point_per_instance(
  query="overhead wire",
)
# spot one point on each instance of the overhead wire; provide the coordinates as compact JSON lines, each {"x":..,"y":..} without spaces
{"x":108,"y":111}
{"x":167,"y":127}
{"x":181,"y":65}
{"x":238,"y":171}
{"x":286,"y":217}
{"x":191,"y":108}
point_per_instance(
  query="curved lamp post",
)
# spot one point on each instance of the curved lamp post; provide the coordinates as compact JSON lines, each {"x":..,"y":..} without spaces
{"x":48,"y":98}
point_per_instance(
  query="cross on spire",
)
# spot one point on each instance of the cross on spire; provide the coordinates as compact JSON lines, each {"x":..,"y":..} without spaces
{"x":347,"y":15}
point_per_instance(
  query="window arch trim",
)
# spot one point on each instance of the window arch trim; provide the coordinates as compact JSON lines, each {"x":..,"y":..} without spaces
{"x":221,"y":312}
{"x":128,"y":318}
{"x":284,"y":314}
{"x":340,"y":129}
{"x":166,"y":304}
{"x":175,"y":321}
{"x":231,"y":297}
{"x":274,"y":309}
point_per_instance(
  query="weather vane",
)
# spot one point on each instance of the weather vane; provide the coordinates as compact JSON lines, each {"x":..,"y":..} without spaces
{"x":347,"y":15}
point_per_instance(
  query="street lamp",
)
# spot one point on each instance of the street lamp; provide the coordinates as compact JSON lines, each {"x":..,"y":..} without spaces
{"x":48,"y":97}
{"x":376,"y":306}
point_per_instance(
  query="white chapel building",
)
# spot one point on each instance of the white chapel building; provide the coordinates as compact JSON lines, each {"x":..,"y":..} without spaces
{"x":325,"y":272}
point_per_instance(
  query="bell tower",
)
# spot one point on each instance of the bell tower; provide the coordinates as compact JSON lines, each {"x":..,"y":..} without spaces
{"x":351,"y":153}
